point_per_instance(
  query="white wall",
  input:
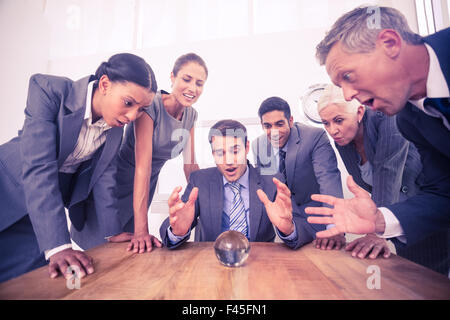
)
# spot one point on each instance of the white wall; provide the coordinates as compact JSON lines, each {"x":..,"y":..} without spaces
{"x":25,"y":44}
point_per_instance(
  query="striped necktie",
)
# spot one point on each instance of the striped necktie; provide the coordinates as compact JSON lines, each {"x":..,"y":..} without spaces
{"x":238,"y":220}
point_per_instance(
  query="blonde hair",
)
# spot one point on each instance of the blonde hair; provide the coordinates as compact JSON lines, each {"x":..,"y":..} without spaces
{"x":334,"y":95}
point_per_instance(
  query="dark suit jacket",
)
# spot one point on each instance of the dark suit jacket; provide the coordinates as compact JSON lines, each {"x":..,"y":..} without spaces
{"x":429,"y":211}
{"x":395,"y":161}
{"x":426,"y":216}
{"x":311,"y":165}
{"x":30,"y":162}
{"x":396,"y":177}
{"x":209,"y":209}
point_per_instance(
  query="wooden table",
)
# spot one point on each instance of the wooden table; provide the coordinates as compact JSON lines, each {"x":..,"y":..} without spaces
{"x":272,"y":271}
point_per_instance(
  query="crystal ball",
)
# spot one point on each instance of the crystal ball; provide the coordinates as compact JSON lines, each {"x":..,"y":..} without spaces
{"x":232,"y":248}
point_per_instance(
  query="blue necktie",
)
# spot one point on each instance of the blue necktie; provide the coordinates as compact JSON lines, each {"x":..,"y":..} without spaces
{"x":238,"y":220}
{"x":440,"y":104}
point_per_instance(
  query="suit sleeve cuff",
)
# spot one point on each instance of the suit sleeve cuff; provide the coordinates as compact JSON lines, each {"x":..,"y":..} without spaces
{"x":393,"y":228}
{"x":291,"y":237}
{"x":49,"y":253}
{"x":173,"y":239}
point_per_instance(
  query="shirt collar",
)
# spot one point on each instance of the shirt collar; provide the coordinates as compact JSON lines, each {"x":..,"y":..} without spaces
{"x":243,"y":180}
{"x":276,"y":151}
{"x":88,"y":112}
{"x":436,"y":84}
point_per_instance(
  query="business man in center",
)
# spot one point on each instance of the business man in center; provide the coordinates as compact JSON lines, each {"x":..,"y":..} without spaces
{"x":234,"y":196}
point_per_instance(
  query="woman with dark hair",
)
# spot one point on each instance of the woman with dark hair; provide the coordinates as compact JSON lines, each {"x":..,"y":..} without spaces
{"x":64,"y":157}
{"x":161,"y":134}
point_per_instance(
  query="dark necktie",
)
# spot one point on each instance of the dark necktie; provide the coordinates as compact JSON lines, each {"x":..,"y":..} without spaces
{"x":282,"y":164}
{"x":440,"y":104}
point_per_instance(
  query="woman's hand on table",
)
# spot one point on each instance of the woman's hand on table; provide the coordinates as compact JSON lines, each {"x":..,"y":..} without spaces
{"x":139,"y":243}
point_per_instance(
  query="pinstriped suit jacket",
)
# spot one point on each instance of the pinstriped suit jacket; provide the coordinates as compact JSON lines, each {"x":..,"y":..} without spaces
{"x":396,"y":176}
{"x":395,"y":162}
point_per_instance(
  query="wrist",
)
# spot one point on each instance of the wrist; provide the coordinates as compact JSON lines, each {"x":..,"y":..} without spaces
{"x":140,"y":229}
{"x":288,"y":230}
{"x":380,"y":223}
{"x":49,"y":253}
{"x":178,"y":233}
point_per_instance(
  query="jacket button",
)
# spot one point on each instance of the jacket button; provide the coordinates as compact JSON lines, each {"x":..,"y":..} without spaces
{"x":405,"y":189}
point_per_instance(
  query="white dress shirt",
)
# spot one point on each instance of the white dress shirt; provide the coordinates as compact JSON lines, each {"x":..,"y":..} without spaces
{"x":91,"y":138}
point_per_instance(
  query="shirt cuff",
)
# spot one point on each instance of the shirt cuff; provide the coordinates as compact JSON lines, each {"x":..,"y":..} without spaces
{"x":173,"y":239}
{"x":290,"y":237}
{"x":393,"y":228}
{"x":49,"y":253}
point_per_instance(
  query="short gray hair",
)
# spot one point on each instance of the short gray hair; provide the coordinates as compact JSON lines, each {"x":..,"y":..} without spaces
{"x":359,"y":28}
{"x":334,"y":95}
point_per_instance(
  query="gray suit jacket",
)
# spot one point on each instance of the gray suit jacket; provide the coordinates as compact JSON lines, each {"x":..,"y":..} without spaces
{"x":209,"y":209}
{"x":311,"y":165}
{"x":395,"y":161}
{"x":29,"y":168}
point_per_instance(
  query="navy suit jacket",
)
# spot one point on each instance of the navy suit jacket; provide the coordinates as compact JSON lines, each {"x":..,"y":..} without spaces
{"x":209,"y":209}
{"x":396,"y":176}
{"x":429,"y":211}
{"x":29,"y":167}
{"x":311,"y":165}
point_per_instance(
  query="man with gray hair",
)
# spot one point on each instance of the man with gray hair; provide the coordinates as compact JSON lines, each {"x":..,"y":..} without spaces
{"x":375,"y":58}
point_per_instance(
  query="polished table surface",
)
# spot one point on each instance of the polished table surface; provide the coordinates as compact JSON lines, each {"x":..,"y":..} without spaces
{"x":272,"y":271}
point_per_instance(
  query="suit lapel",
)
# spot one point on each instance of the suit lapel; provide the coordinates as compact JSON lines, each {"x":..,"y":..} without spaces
{"x":71,"y":118}
{"x":256,"y":206}
{"x":291,"y":154}
{"x":370,"y":134}
{"x":350,"y":158}
{"x":432,"y":129}
{"x":112,"y":143}
{"x":216,"y":203}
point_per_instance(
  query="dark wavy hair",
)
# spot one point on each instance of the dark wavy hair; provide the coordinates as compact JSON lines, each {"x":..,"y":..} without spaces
{"x":127,"y":67}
